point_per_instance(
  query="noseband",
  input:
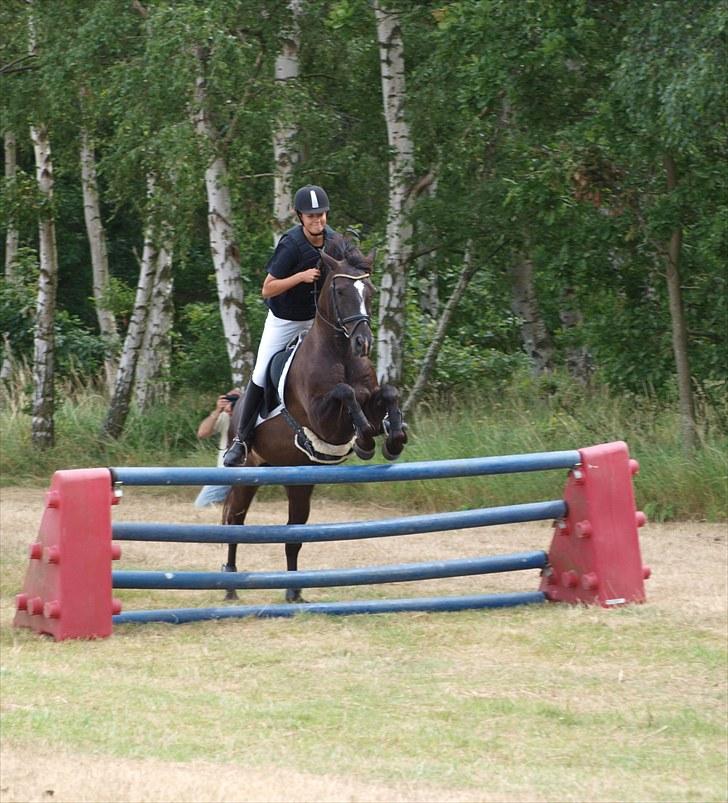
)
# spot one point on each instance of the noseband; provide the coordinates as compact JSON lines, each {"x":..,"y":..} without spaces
{"x":340,"y":324}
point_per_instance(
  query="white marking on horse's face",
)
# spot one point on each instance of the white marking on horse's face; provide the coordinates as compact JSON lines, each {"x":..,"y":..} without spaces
{"x":362,"y":302}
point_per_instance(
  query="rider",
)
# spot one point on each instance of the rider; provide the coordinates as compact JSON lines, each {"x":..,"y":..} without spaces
{"x":289,"y":292}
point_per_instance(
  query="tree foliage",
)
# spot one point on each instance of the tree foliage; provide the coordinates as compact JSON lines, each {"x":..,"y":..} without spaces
{"x":540,"y":127}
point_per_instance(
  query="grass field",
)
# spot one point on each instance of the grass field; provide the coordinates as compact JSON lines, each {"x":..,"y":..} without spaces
{"x":541,"y":703}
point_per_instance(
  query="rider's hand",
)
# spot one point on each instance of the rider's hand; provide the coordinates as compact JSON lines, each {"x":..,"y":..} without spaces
{"x":310,"y":275}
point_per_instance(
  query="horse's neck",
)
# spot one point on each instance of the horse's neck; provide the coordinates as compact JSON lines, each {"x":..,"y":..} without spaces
{"x":327,"y":341}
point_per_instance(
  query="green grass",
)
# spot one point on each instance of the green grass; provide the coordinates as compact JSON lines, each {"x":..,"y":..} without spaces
{"x":544,"y":702}
{"x":451,"y":701}
{"x":529,"y":417}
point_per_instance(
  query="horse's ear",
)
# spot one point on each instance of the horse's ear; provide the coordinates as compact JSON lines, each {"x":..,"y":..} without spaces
{"x":329,"y":262}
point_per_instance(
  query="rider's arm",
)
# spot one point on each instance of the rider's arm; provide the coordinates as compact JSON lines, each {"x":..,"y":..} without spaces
{"x":274,"y":287}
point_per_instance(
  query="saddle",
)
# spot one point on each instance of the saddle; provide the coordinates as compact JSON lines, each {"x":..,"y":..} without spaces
{"x":275,"y":378}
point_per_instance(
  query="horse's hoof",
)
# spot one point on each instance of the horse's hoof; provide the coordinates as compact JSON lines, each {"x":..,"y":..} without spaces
{"x":230,"y":593}
{"x":364,"y":454}
{"x":390,"y":455}
{"x":294,"y":596}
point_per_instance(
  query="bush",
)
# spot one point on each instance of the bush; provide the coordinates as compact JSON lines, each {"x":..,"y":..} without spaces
{"x":77,"y":349}
{"x":200,"y":359}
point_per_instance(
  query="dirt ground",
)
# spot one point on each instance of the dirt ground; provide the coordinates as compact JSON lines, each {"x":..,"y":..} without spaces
{"x":688,"y":562}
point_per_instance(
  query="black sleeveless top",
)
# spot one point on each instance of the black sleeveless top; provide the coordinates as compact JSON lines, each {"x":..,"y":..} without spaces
{"x":293,"y":254}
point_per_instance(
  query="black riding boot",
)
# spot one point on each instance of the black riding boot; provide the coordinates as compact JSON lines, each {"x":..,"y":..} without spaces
{"x":238,"y":451}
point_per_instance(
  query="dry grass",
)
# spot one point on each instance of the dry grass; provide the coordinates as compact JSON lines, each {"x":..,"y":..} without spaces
{"x":537,"y":703}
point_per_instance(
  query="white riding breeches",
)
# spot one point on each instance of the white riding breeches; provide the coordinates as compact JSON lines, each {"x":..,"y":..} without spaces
{"x":277,"y":333}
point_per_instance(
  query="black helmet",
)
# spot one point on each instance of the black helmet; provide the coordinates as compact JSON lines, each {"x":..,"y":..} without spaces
{"x":311,"y":199}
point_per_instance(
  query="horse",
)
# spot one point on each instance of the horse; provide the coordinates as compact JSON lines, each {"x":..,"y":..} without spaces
{"x":333,"y":403}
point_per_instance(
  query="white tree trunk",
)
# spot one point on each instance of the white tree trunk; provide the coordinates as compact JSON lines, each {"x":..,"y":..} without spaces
{"x":393,"y":285}
{"x":11,"y":243}
{"x":535,"y":336}
{"x":121,"y":397}
{"x":99,"y":258}
{"x":153,"y":365}
{"x":11,"y":235}
{"x":285,"y":155}
{"x":44,"y":346}
{"x":225,"y":251}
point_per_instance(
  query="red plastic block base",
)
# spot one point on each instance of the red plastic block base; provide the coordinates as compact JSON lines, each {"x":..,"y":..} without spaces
{"x":67,"y":589}
{"x":595,"y":553}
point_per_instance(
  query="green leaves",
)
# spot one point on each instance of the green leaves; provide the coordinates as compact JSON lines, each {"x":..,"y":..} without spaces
{"x":541,"y":125}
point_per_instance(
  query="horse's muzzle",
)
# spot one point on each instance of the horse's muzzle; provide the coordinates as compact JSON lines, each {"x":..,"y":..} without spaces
{"x":362,"y":342}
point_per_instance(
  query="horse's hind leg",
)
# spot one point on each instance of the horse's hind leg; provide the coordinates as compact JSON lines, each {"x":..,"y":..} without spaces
{"x":234,"y":511}
{"x":299,"y":507}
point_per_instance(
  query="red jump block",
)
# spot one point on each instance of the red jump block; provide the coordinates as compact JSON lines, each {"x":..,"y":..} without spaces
{"x":595,"y":553}
{"x":67,"y":589}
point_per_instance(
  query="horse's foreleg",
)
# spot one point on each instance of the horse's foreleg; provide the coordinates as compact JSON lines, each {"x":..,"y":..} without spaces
{"x":343,"y":395}
{"x":299,"y":507}
{"x":393,"y":423}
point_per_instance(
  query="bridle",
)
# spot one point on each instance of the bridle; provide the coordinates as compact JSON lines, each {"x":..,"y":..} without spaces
{"x":340,"y":324}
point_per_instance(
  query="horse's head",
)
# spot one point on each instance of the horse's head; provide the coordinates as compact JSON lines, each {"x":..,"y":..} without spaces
{"x":345,"y":299}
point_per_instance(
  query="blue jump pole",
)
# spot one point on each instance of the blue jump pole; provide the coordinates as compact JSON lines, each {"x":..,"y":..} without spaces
{"x":334,"y":475}
{"x":396,"y":573}
{"x":423,"y":604}
{"x":340,"y":531}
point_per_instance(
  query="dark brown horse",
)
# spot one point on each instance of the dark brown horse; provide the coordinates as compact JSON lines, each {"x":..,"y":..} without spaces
{"x":332,"y":391}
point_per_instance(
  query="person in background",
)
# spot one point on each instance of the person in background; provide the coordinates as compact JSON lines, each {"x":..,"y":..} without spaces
{"x":289,"y":291}
{"x":217,"y":423}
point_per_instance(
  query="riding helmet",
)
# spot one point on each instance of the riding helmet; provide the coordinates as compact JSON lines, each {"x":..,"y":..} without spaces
{"x":311,"y":199}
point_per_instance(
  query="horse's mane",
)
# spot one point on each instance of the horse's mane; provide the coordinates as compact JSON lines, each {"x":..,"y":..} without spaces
{"x":341,"y":248}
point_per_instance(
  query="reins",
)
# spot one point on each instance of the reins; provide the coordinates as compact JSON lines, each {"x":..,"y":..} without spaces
{"x":340,"y":325}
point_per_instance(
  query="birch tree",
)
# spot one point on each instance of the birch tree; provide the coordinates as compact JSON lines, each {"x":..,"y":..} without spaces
{"x":223,"y":246}
{"x":120,"y":403}
{"x":11,"y":234}
{"x":393,"y":283}
{"x":285,"y":155}
{"x":44,"y":344}
{"x":11,"y":240}
{"x":96,"y":234}
{"x":42,"y":424}
{"x":152,"y":385}
{"x":535,"y":336}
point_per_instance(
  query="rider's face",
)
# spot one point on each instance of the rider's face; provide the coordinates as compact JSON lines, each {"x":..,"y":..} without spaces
{"x":313,"y":223}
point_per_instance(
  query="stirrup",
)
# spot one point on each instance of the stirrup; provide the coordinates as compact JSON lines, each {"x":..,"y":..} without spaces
{"x":243,"y":453}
